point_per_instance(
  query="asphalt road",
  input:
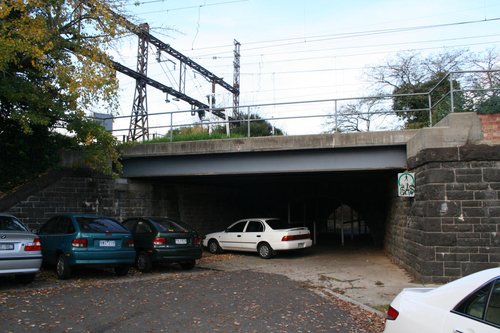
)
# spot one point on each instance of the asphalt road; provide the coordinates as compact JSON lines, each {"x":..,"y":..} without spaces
{"x":172,"y":300}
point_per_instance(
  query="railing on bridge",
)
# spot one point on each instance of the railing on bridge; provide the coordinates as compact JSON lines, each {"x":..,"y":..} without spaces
{"x":455,"y":92}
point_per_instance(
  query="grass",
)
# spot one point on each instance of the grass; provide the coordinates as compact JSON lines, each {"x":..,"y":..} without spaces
{"x":195,"y":137}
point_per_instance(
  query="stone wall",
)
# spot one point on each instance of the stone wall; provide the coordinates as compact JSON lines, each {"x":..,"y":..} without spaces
{"x":452,"y":226}
{"x":78,"y":191}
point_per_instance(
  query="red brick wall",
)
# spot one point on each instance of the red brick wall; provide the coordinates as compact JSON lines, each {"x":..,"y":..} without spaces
{"x":491,"y":126}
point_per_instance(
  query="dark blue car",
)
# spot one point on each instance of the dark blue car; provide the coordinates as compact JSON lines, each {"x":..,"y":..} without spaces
{"x":80,"y":239}
{"x":163,"y":240}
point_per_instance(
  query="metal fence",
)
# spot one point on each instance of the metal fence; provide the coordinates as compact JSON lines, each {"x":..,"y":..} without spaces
{"x":455,"y":92}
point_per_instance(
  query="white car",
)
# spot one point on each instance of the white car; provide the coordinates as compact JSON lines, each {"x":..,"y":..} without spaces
{"x":263,"y":235}
{"x":467,"y":305}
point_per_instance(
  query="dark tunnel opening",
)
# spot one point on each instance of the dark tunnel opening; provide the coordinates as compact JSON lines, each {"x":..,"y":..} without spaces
{"x":340,"y":208}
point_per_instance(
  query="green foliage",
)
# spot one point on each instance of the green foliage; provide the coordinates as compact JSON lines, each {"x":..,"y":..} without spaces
{"x":25,"y":156}
{"x":489,"y":106}
{"x":440,"y":95}
{"x":53,"y":67}
{"x":194,"y":137}
{"x":194,"y":133}
{"x":258,"y":126}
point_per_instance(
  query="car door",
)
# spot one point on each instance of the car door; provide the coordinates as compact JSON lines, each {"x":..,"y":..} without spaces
{"x":232,"y":239}
{"x":478,"y":313}
{"x":252,"y":235}
{"x":55,"y":235}
{"x":144,"y":235}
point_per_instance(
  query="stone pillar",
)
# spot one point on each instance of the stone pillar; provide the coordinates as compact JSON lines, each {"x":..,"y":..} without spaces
{"x":451,"y":228}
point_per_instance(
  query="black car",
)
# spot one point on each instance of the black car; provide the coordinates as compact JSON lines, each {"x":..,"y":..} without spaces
{"x":163,"y":240}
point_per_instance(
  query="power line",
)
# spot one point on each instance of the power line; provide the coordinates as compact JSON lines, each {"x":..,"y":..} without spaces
{"x":214,"y":55}
{"x":183,"y":8}
{"x":320,"y":38}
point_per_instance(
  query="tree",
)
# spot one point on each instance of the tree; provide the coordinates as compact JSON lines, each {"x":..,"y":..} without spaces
{"x":359,"y":116}
{"x":258,"y":126}
{"x":53,"y":68}
{"x":484,"y":94}
{"x":410,"y":73}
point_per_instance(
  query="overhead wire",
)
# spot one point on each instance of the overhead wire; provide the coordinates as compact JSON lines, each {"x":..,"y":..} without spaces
{"x":215,"y":55}
{"x":362,"y":33}
{"x":270,"y":44}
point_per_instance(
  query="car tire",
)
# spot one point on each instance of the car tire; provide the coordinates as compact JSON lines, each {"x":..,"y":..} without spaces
{"x":24,"y":278}
{"x":265,"y":251}
{"x":143,"y":262}
{"x":214,"y":247}
{"x":63,"y":268}
{"x":122,"y":270}
{"x":187,"y":265}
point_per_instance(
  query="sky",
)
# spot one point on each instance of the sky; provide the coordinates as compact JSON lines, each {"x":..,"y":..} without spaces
{"x":292,"y":50}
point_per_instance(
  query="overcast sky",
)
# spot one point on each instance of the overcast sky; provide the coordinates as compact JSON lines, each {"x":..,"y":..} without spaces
{"x":297,"y":50}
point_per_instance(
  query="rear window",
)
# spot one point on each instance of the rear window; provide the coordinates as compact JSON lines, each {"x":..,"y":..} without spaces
{"x":278,"y":224}
{"x":11,"y":223}
{"x":90,"y":224}
{"x":164,"y":225}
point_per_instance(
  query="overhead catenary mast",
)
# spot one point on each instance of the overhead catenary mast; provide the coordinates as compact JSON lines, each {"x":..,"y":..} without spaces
{"x":138,"y":124}
{"x":236,"y":77}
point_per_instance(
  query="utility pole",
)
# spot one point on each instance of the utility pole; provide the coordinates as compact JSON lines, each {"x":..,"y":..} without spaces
{"x":139,"y":125}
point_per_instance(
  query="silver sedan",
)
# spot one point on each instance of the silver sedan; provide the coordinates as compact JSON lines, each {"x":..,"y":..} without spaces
{"x":20,"y":250}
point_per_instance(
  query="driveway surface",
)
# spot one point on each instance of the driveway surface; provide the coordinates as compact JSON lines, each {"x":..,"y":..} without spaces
{"x":172,"y":300}
{"x":363,"y":275}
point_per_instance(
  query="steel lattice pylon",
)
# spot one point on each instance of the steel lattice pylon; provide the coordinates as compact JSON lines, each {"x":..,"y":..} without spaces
{"x":236,"y":78}
{"x":139,"y":126}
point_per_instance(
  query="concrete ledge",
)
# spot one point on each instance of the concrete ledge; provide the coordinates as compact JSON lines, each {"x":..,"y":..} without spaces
{"x":272,"y":143}
{"x":455,"y":130}
{"x":466,"y":153}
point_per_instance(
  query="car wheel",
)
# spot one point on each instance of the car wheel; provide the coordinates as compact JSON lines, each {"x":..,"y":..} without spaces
{"x":63,"y":268}
{"x":122,"y":270}
{"x":143,"y":262}
{"x":213,"y":246}
{"x":24,"y":278}
{"x":265,"y":251}
{"x":187,"y":265}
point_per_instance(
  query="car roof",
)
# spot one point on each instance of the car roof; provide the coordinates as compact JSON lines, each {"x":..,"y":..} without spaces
{"x":453,"y":292}
{"x":9,"y":215}
{"x":84,"y":215}
{"x":258,"y":218}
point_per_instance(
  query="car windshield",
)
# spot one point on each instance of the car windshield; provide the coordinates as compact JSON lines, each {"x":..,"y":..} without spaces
{"x":278,"y":224}
{"x":11,"y":223}
{"x":165,"y":225}
{"x":98,"y":224}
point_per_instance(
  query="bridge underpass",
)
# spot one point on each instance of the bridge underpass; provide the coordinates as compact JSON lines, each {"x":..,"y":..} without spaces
{"x":335,"y":185}
{"x":331,"y":204}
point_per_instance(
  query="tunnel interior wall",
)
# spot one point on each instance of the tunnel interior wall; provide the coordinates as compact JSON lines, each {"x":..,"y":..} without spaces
{"x":211,"y":203}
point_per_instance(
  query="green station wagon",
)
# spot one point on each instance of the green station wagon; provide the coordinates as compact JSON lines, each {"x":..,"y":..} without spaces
{"x":81,"y":239}
{"x":163,"y":240}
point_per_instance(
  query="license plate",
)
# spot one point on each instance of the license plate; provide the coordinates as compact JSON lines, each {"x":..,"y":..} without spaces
{"x":107,"y":243}
{"x":6,"y":247}
{"x":181,"y":241}
{"x":302,"y":244}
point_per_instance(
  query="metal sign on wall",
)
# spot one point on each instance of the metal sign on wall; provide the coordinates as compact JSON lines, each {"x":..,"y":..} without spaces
{"x":406,"y":184}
